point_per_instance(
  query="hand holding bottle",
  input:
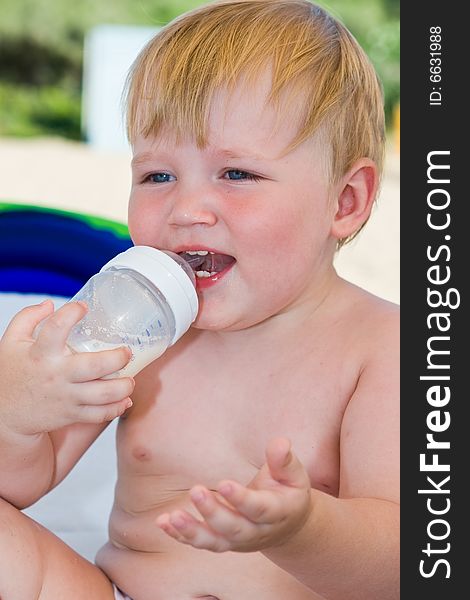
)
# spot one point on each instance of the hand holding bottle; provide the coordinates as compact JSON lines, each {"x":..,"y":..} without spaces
{"x":44,"y":386}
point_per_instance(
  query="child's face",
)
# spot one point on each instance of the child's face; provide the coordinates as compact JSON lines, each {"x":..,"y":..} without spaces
{"x":267,"y":215}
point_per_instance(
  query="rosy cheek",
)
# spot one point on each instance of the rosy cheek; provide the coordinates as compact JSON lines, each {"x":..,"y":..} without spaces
{"x":133,"y":222}
{"x":140,"y":221}
{"x":278,"y":233}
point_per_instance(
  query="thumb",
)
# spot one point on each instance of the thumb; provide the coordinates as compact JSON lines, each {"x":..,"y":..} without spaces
{"x":24,"y":322}
{"x":284,"y":465}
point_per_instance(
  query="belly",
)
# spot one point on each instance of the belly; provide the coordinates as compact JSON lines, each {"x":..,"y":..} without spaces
{"x":148,"y":565}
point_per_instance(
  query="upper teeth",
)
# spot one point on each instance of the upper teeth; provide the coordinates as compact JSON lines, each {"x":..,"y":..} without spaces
{"x":200,"y":252}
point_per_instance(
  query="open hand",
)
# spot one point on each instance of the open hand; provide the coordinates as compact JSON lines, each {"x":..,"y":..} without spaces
{"x":267,"y":512}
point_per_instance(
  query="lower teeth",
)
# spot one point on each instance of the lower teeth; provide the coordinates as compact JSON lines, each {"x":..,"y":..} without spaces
{"x":205,"y":274}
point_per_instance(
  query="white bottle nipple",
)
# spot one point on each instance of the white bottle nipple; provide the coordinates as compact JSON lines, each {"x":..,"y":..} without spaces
{"x":184,"y":264}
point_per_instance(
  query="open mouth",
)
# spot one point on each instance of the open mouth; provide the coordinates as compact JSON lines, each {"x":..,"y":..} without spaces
{"x":206,"y":264}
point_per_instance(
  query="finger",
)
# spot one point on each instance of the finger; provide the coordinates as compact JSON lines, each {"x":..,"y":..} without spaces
{"x":284,"y":465}
{"x":26,"y":320}
{"x":55,"y":330}
{"x":196,"y":533}
{"x":101,"y":392}
{"x":87,"y":366}
{"x":89,"y":413}
{"x":259,"y":506}
{"x":163,"y":521}
{"x":219,"y":516}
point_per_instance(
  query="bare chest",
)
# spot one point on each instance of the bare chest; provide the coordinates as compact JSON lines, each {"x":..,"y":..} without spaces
{"x":204,"y":427}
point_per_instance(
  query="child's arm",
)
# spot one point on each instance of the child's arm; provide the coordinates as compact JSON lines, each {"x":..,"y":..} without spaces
{"x":349,"y":546}
{"x":53,"y":403}
{"x":345,"y":547}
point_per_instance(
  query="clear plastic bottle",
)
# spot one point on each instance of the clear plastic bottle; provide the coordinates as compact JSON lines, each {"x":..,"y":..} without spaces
{"x":144,"y":299}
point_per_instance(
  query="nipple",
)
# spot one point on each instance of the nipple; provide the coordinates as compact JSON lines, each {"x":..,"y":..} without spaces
{"x":185,"y":264}
{"x":195,"y":260}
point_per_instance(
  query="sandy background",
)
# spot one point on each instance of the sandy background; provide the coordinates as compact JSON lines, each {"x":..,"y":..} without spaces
{"x":74,"y":176}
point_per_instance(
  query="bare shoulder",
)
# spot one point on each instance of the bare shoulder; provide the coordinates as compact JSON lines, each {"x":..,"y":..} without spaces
{"x":370,"y":426}
{"x":374,"y":321}
{"x":375,"y":332}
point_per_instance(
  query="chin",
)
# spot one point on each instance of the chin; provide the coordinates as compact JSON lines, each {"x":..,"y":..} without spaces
{"x":225,"y":323}
{"x":212,"y":325}
{"x":214,"y":322}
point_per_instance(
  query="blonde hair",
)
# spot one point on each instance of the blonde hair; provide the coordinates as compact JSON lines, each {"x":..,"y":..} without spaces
{"x":315,"y":62}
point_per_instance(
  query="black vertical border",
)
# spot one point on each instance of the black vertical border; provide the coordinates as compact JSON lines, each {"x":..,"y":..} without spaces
{"x":426,"y":128}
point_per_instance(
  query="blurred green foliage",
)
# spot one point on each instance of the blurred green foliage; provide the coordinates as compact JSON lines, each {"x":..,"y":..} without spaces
{"x":48,"y":110}
{"x":376,"y":25}
{"x":41,"y":52}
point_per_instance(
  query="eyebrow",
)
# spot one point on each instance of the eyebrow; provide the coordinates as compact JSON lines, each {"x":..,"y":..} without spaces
{"x":238,"y":154}
{"x":235,"y":154}
{"x":141,"y":158}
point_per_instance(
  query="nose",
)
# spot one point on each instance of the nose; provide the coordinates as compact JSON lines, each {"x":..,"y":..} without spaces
{"x":193,"y":207}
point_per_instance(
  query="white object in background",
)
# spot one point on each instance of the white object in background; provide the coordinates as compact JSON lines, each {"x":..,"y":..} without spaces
{"x":109,"y":52}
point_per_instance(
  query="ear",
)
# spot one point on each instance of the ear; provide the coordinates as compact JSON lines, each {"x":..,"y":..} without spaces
{"x":355,"y":198}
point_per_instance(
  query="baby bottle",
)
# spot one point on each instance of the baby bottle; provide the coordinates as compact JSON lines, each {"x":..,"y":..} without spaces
{"x":144,"y":299}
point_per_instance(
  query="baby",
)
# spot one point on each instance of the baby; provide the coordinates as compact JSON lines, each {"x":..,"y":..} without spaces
{"x":258,"y":458}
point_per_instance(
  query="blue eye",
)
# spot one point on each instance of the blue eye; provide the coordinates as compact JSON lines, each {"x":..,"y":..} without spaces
{"x":160,"y":177}
{"x":237,"y":175}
